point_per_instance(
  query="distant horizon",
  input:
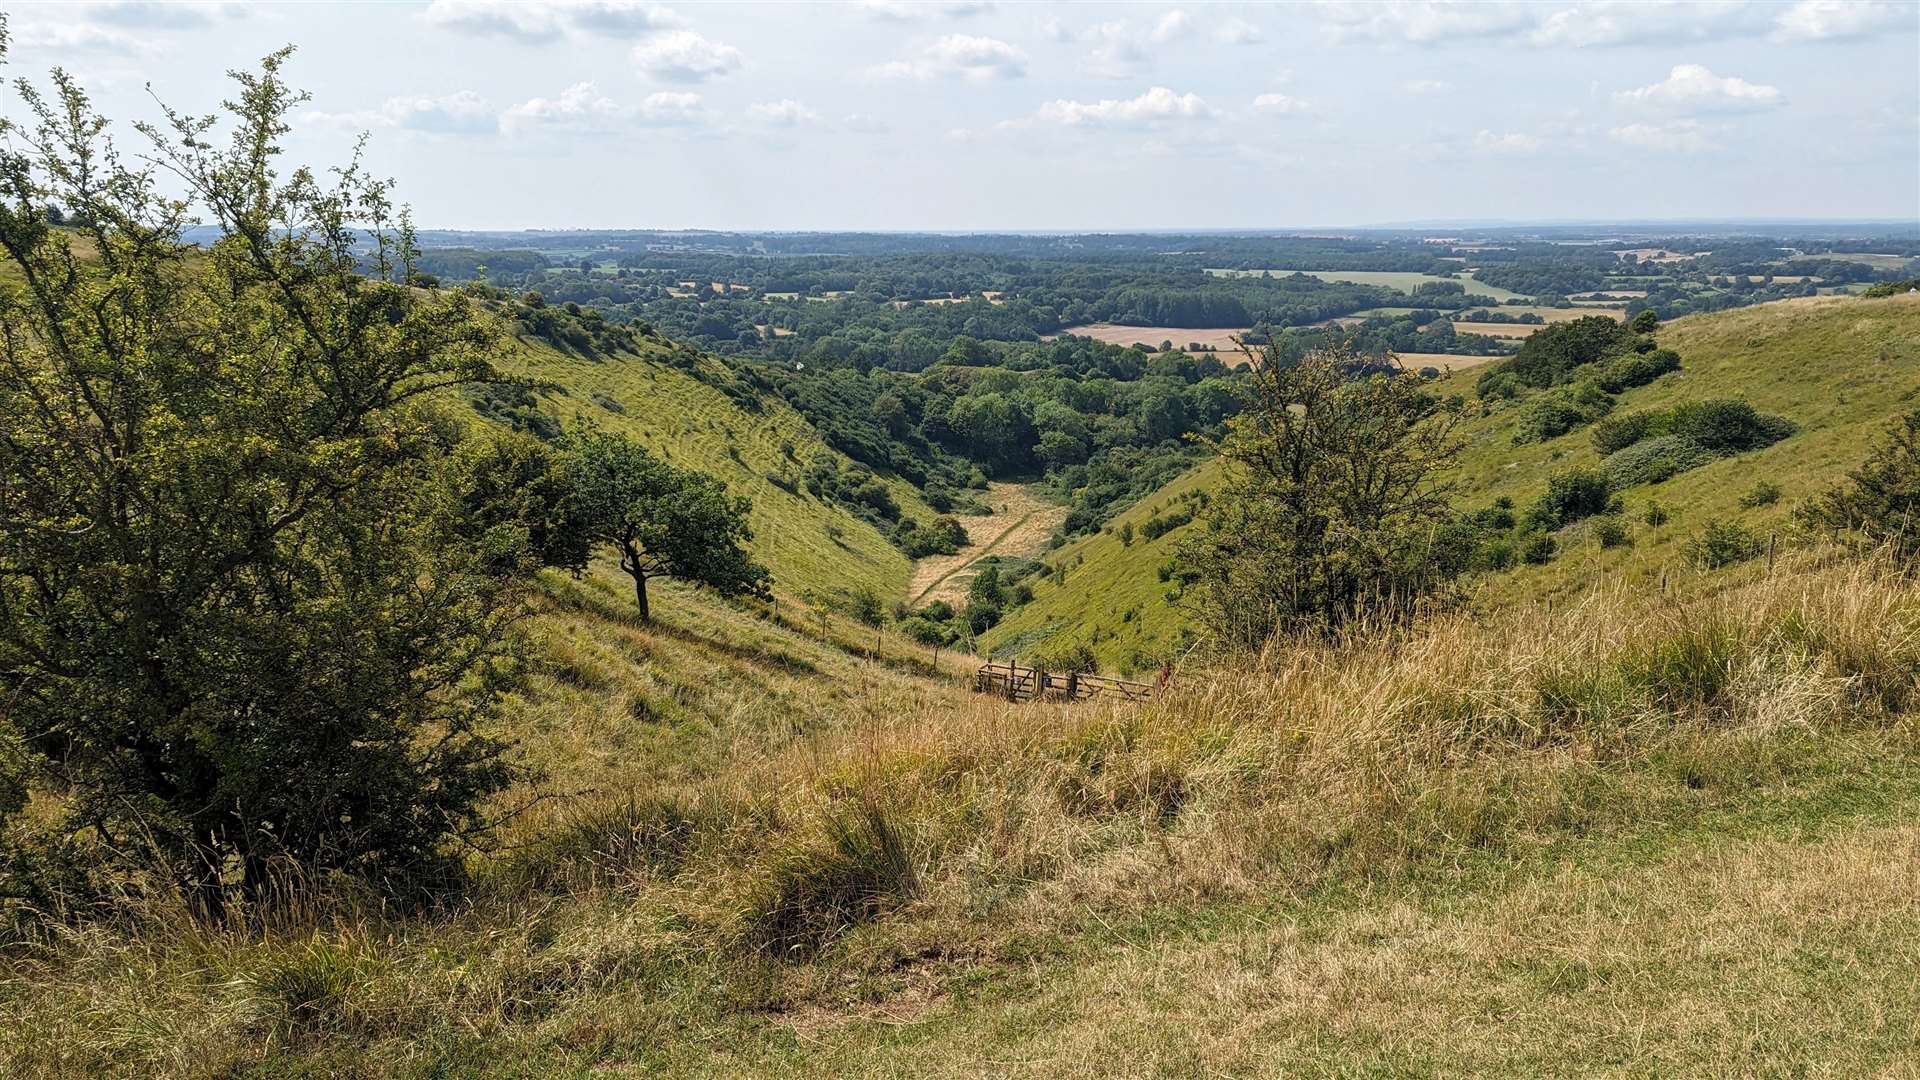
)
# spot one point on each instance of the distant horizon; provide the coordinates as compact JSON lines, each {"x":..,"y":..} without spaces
{"x":1231,"y":230}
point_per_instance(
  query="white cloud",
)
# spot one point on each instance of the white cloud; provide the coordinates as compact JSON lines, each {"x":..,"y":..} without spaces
{"x":546,"y":20}
{"x":1840,"y":20}
{"x":684,"y":56}
{"x":177,"y":15}
{"x":581,"y":108}
{"x":1280,"y":103}
{"x":1603,"y":23}
{"x":1680,"y":136}
{"x":1238,"y":32}
{"x":1420,"y":22}
{"x":1647,"y":22}
{"x":1427,"y":87}
{"x":1117,"y":52}
{"x":962,"y":56}
{"x":1156,"y":107}
{"x":79,"y":37}
{"x":1512,"y":142}
{"x":1692,"y":88}
{"x":904,"y":11}
{"x":1171,"y":26}
{"x":783,"y":113}
{"x":464,"y":112}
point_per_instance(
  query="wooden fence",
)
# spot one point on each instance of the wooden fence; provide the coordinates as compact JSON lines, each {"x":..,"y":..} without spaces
{"x":1015,"y":683}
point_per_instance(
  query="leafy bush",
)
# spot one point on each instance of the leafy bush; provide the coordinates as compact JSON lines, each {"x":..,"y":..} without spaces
{"x":1652,"y":460}
{"x":1722,"y":543}
{"x":1875,"y":505}
{"x":1550,"y":356}
{"x":1611,"y":532}
{"x":1726,"y":425}
{"x":1762,"y":493}
{"x":941,"y":536}
{"x":1156,"y":526}
{"x":1571,"y":495}
{"x":1637,"y":369}
{"x":1615,"y":433}
{"x":1064,"y":658}
{"x":1539,"y":548}
{"x":1556,"y":412}
{"x":1655,"y":515}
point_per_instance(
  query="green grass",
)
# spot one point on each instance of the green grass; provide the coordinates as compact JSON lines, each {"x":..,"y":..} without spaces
{"x":1840,"y":368}
{"x":809,"y":544}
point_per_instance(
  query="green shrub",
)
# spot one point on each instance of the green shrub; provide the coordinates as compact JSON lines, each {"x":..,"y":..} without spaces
{"x":1726,"y":425}
{"x":1762,"y":493}
{"x":1655,"y":515}
{"x":1722,"y":543}
{"x":1571,"y":495}
{"x":1615,"y":433}
{"x":1650,"y":461}
{"x":1637,"y":369}
{"x":1611,"y":532}
{"x":1539,"y":548}
{"x":1558,"y":411}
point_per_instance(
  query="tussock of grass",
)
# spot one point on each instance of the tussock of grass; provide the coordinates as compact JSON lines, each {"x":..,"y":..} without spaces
{"x":772,"y":864}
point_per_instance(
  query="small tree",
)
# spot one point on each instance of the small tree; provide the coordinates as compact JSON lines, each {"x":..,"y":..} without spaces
{"x":666,"y":522}
{"x":244,"y":616}
{"x":1878,"y":504}
{"x":1333,"y":503}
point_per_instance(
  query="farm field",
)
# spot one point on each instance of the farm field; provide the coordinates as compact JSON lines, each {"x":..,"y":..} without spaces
{"x":1497,"y":330}
{"x":1019,"y":527}
{"x":1554,"y":314}
{"x":1446,"y":362}
{"x":1404,"y":280}
{"x":1151,"y":336}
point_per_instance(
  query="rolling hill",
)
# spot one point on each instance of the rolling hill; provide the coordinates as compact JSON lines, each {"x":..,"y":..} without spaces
{"x":673,"y":401}
{"x":1839,"y":367}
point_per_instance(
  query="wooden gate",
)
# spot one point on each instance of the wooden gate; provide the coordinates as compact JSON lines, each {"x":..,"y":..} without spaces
{"x":1015,"y":683}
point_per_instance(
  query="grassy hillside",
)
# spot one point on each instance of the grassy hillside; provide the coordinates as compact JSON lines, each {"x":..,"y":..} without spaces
{"x":810,"y":544}
{"x":1673,"y":837}
{"x":1839,"y":367}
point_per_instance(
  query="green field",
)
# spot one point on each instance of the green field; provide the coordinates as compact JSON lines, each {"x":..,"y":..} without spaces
{"x":1404,"y":280}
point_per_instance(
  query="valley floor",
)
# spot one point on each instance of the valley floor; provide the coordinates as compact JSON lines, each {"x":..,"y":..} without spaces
{"x":1019,"y":526}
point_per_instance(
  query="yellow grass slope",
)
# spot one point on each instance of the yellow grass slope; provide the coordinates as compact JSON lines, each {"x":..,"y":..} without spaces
{"x":811,"y":545}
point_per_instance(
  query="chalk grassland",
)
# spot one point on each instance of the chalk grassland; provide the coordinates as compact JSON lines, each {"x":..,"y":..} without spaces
{"x":1151,"y":336}
{"x":1839,"y":367}
{"x":1631,"y":836}
{"x":808,"y":543}
{"x":1018,"y":527}
{"x":1879,"y":261}
{"x":1404,"y":280}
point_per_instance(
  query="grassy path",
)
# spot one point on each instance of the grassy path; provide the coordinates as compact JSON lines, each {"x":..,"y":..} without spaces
{"x":1020,"y":525}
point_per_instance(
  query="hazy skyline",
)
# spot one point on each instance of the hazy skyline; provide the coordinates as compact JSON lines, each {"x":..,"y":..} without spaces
{"x":956,"y":116}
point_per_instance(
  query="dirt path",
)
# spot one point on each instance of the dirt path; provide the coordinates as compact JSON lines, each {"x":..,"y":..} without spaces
{"x":1019,"y":526}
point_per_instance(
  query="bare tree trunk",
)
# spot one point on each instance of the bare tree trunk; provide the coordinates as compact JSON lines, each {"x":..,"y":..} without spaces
{"x":640,"y":594}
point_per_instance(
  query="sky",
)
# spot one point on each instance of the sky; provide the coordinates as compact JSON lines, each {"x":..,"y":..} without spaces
{"x":956,"y":115}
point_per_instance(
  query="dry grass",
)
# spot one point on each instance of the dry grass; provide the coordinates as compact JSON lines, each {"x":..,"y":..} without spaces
{"x":1225,"y":341}
{"x":877,"y":859}
{"x":1019,"y":525}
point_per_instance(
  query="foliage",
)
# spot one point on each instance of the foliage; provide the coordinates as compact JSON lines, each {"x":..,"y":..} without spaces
{"x":1570,"y":496}
{"x":1651,"y":461}
{"x":663,"y":520}
{"x":1560,"y":410}
{"x":1762,"y":493}
{"x":1722,"y":543}
{"x":1611,"y":532}
{"x":245,"y":614}
{"x":1550,"y":356}
{"x":1331,"y":505}
{"x":1875,"y":505}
